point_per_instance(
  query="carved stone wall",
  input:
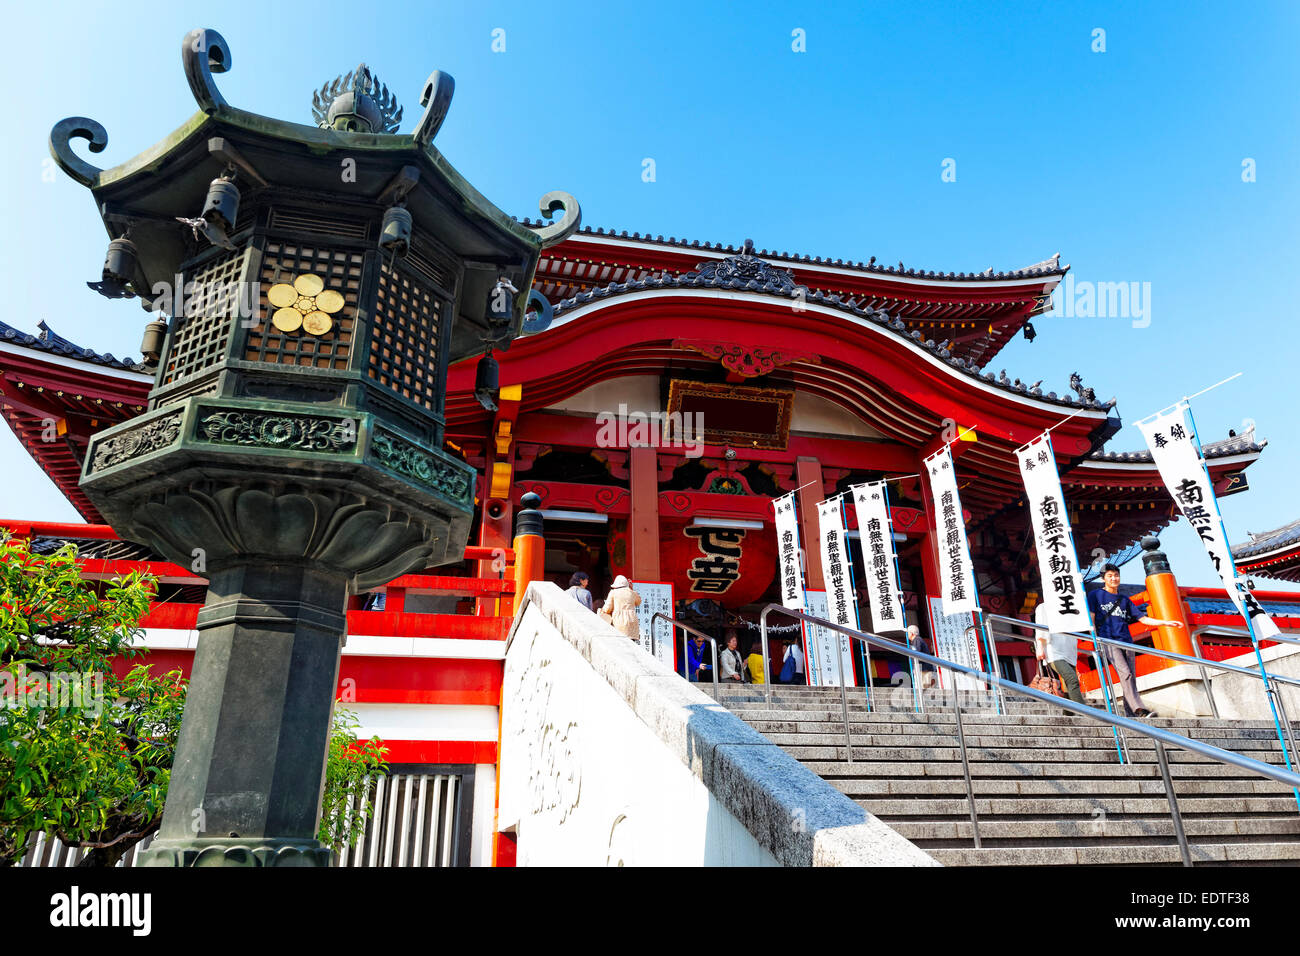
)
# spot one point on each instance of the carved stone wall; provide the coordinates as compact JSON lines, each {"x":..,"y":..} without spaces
{"x":609,"y":758}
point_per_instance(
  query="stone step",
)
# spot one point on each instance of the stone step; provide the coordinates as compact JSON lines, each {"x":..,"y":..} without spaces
{"x":1120,"y":855}
{"x":973,"y":705}
{"x":892,"y":706}
{"x":957,"y":834}
{"x":956,"y":786}
{"x":927,"y":807}
{"x":1049,"y":786}
{"x":1068,"y":726}
{"x":1000,"y":769}
{"x":826,"y":735}
{"x":1067,"y":723}
{"x":1049,"y":754}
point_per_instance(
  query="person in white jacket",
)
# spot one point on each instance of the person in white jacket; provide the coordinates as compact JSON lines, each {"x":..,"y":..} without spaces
{"x":732,"y":664}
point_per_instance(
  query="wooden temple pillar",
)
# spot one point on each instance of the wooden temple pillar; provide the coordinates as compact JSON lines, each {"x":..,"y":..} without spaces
{"x":808,"y":479}
{"x":643,"y":527}
{"x":497,"y":517}
{"x":929,"y":549}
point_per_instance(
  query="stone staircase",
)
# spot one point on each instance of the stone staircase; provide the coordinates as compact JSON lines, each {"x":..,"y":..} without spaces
{"x":1049,"y":788}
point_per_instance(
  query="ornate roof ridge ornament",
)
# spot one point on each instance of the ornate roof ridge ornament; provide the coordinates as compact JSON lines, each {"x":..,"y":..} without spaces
{"x":746,"y":267}
{"x":356,"y":102}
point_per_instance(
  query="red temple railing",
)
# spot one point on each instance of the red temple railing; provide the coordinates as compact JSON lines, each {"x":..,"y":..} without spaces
{"x":493,"y":596}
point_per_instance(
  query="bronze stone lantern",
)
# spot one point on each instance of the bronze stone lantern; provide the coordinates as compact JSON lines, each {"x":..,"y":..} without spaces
{"x":315,"y":283}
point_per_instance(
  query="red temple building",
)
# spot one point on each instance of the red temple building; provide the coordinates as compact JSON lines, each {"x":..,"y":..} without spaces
{"x":801,"y":373}
{"x":1272,"y":554}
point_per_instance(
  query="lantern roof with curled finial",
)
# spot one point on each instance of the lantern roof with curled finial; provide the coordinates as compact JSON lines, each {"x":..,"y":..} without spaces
{"x":352,"y":165}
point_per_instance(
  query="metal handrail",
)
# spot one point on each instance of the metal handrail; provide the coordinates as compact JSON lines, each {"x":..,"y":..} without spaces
{"x":1121,"y":742}
{"x":1143,"y":649}
{"x":1242,"y":632}
{"x":1270,"y":680}
{"x":1161,"y":737}
{"x":686,"y":654}
{"x":844,"y":694}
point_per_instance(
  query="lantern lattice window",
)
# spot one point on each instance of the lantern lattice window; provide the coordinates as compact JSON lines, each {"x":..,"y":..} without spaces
{"x":210,"y":310}
{"x":340,"y":271}
{"x":404,"y":339}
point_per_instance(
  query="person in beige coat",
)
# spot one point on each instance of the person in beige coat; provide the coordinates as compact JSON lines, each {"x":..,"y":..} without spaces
{"x":621,"y":605}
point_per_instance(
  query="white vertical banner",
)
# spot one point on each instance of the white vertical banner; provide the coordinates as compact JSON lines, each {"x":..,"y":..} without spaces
{"x":1058,"y":564}
{"x":955,"y":566}
{"x":1177,"y":453}
{"x":837,"y":576}
{"x":787,"y":547}
{"x":871,"y":501}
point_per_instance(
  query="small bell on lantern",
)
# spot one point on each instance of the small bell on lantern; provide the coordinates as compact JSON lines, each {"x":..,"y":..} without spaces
{"x":121,"y":265}
{"x":222,"y":205}
{"x":220,"y":208}
{"x":501,"y":304}
{"x":151,"y":346}
{"x":395,"y":231}
{"x":487,"y":381}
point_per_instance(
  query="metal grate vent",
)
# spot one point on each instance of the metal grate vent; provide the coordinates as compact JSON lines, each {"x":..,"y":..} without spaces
{"x":422,"y":817}
{"x":431,"y":266}
{"x":211,"y":306}
{"x":404,"y":339}
{"x":341,"y":272}
{"x":292,"y":220}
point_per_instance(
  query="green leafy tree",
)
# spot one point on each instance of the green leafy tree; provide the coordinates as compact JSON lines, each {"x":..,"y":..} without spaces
{"x":93,"y":769}
{"x":65,"y":765}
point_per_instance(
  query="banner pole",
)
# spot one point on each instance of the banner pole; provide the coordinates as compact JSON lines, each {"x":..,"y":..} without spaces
{"x":918,"y":693}
{"x":990,"y":651}
{"x":1186,"y":399}
{"x":857,"y":615}
{"x":1240,"y":586}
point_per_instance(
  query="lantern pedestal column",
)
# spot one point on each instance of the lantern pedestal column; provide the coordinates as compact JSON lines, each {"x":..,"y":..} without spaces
{"x":250,"y":760}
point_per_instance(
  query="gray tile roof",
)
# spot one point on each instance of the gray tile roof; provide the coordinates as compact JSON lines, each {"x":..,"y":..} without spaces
{"x":50,"y":341}
{"x":1267,"y":541}
{"x":746,"y":272}
{"x":1048,"y":267}
{"x":1243,"y":444}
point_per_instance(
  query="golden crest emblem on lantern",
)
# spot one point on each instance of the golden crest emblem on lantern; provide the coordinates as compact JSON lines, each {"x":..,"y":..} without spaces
{"x":304,"y":304}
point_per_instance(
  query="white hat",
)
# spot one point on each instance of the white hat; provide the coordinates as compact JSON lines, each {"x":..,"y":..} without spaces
{"x":620,"y":582}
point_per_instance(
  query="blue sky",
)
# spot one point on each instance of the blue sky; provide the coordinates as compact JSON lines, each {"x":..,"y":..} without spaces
{"x":1128,"y":161}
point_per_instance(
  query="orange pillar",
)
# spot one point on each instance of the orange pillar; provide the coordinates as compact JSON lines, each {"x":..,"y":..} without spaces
{"x":530,"y":546}
{"x":1165,"y":602}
